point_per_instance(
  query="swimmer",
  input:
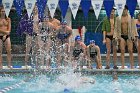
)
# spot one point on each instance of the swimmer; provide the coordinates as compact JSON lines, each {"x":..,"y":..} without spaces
{"x":87,"y":80}
{"x":93,"y":52}
{"x":125,"y":31}
{"x":82,"y":80}
{"x":115,"y":76}
{"x":108,"y":33}
{"x":79,"y":52}
{"x":63,"y":34}
{"x":5,"y":29}
{"x":138,"y":38}
{"x":115,"y":84}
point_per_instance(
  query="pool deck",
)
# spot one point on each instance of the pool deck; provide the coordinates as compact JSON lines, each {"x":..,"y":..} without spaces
{"x":84,"y":71}
{"x":19,"y":58}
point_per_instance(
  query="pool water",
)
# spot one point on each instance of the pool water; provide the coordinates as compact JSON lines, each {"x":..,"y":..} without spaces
{"x":69,"y":83}
{"x":7,"y":80}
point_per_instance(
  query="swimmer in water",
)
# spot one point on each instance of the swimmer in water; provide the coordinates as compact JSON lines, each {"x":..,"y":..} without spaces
{"x":115,"y":84}
{"x":82,"y":80}
{"x":87,"y":80}
{"x":115,"y":76}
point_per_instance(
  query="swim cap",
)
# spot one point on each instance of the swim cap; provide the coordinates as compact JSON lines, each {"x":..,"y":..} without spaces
{"x":63,"y":22}
{"x":77,"y":38}
{"x":66,"y":90}
{"x":92,"y":41}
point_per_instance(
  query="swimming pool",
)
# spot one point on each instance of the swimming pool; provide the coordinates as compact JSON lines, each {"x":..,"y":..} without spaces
{"x":69,"y":83}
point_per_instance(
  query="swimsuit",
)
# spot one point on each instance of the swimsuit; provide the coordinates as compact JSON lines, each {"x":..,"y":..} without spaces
{"x":125,"y":37}
{"x":7,"y":36}
{"x":93,"y":52}
{"x":110,"y":37}
{"x":62,"y":36}
{"x":44,"y":32}
{"x":138,"y":26}
{"x":77,"y":52}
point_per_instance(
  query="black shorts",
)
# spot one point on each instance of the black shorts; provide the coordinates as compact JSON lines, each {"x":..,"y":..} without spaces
{"x":93,"y":55}
{"x":125,"y":37}
{"x":110,"y":37}
{"x":7,"y":36}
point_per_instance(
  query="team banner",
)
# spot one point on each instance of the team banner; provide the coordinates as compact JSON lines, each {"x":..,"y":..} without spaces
{"x":131,"y":6}
{"x":29,"y":4}
{"x":108,"y":4}
{"x":74,"y":5}
{"x":52,"y":5}
{"x":19,"y":4}
{"x":120,"y":6}
{"x":97,"y":5}
{"x":7,"y":4}
{"x":41,"y":4}
{"x":138,"y":1}
{"x":85,"y":4}
{"x":63,"y":6}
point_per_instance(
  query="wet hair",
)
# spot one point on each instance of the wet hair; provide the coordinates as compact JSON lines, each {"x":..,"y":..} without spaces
{"x":126,"y":7}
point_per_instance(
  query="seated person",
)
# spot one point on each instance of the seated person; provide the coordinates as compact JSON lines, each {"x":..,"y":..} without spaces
{"x":93,"y":52}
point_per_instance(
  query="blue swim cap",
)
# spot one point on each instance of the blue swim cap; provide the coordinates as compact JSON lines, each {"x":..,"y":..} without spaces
{"x":92,"y":41}
{"x":77,"y":38}
{"x":63,"y":22}
{"x":66,"y":90}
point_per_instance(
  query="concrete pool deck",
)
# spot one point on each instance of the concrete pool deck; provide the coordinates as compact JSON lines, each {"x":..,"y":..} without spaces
{"x":18,"y":62}
{"x":84,"y":71}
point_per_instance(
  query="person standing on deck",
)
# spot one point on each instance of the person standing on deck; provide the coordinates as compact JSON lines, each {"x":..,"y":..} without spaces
{"x":31,"y":35}
{"x":29,"y":27}
{"x":5,"y":29}
{"x":126,"y":32}
{"x":44,"y":38}
{"x":138,"y":40}
{"x":108,"y":32}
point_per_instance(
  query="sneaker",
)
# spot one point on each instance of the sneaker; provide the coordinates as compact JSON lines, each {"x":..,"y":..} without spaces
{"x":107,"y":67}
{"x":115,"y":67}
